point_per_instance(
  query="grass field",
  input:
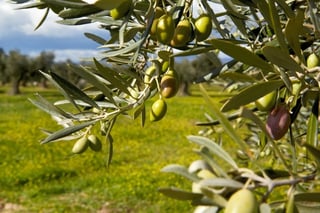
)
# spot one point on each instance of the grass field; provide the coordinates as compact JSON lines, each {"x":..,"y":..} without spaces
{"x":46,"y":178}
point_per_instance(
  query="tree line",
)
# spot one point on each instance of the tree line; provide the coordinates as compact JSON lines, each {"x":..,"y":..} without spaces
{"x":17,"y":69}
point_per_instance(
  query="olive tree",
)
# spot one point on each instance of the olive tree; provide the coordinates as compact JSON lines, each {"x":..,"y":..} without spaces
{"x":273,"y":73}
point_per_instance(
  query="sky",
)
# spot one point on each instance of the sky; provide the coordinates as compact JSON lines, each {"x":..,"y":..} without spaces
{"x":66,"y":42}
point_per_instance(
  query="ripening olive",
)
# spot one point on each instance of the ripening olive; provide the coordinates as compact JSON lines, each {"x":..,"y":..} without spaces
{"x":182,"y":34}
{"x":278,"y":122}
{"x":203,"y":27}
{"x":267,"y":102}
{"x":158,"y":110}
{"x":169,"y":84}
{"x":121,"y":10}
{"x":242,"y":201}
{"x":165,"y":29}
{"x":94,"y":143}
{"x":312,"y":60}
{"x":80,"y":146}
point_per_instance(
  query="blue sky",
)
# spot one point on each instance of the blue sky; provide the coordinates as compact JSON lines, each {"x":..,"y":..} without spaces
{"x":17,"y":32}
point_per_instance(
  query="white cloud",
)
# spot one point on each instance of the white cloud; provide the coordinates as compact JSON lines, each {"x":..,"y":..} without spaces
{"x":24,"y":21}
{"x":75,"y":55}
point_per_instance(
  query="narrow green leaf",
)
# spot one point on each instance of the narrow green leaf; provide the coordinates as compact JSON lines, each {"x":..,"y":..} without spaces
{"x":113,"y":77}
{"x":79,"y":12}
{"x":66,"y":131}
{"x":308,"y":196}
{"x":214,"y":148}
{"x":49,"y":107}
{"x":221,"y":182}
{"x":312,"y":131}
{"x":179,"y":194}
{"x":225,"y":123}
{"x":75,"y":22}
{"x":277,"y":56}
{"x":242,"y":54}
{"x":207,"y":156}
{"x":67,"y":4}
{"x":217,"y":199}
{"x":251,"y":94}
{"x":92,"y":79}
{"x":286,"y":8}
{"x":96,"y":38}
{"x":61,"y":89}
{"x":44,"y":17}
{"x":120,"y":51}
{"x":292,"y":30}
{"x":276,"y":25}
{"x":180,"y":170}
{"x":315,"y":152}
{"x":308,"y":202}
{"x":236,"y":76}
{"x":109,"y":140}
{"x":73,"y":91}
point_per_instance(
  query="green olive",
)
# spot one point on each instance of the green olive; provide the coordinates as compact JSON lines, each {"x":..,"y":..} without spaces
{"x":153,"y":31}
{"x":158,"y":110}
{"x":121,"y":10}
{"x":81,"y":145}
{"x":203,"y":27}
{"x":267,"y":102}
{"x":94,"y":143}
{"x":312,"y":60}
{"x":278,"y":122}
{"x":169,"y":84}
{"x":182,"y":34}
{"x":165,"y":29}
{"x":242,"y":201}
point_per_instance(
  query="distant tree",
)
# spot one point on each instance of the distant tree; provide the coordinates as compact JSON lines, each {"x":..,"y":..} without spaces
{"x":3,"y":76}
{"x":193,"y":71}
{"x":17,"y":67}
{"x":44,"y":62}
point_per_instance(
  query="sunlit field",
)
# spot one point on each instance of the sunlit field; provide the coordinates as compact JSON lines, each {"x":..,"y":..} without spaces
{"x":47,"y":178}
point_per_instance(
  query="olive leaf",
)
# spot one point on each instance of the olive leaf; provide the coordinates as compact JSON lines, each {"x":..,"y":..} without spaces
{"x":307,"y":202}
{"x":221,"y":182}
{"x":93,"y":80}
{"x":179,"y":194}
{"x":277,"y":56}
{"x":216,"y":149}
{"x":113,"y":77}
{"x":48,"y":107}
{"x":180,"y":170}
{"x":276,"y":25}
{"x":79,"y":12}
{"x":312,"y":131}
{"x":292,"y":31}
{"x":242,"y":54}
{"x":67,"y":131}
{"x":251,"y":94}
{"x":223,"y":121}
{"x":315,"y":152}
{"x":207,"y":156}
{"x":73,"y":91}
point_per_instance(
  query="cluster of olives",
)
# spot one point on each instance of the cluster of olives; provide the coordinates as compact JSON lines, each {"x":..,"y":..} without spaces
{"x":165,"y":31}
{"x":169,"y":86}
{"x":82,"y":144}
{"x":279,"y":119}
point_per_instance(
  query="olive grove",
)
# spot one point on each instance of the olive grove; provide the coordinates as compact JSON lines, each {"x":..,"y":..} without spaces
{"x":273,"y":76}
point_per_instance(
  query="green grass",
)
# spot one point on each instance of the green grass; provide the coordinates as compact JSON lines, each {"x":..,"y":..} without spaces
{"x":46,"y":178}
